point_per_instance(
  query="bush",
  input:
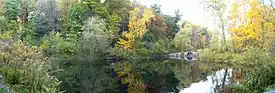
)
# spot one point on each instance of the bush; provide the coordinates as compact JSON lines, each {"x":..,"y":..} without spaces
{"x":260,"y":64}
{"x":240,"y":89}
{"x":143,"y":52}
{"x":159,"y":47}
{"x":12,"y":75}
{"x":25,"y":68}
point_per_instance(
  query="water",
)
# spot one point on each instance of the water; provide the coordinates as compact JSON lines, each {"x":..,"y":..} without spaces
{"x":187,"y":77}
{"x":153,"y":75}
{"x":158,"y":75}
{"x":210,"y":84}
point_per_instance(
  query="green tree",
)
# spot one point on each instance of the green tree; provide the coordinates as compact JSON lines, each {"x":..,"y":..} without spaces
{"x":172,"y":23}
{"x":182,"y":40}
{"x":11,"y":8}
{"x":96,"y":34}
{"x":118,"y":12}
{"x":26,"y":7}
{"x":156,"y":8}
{"x":78,"y":63}
{"x":72,"y":28}
{"x":10,"y":11}
{"x":45,"y":18}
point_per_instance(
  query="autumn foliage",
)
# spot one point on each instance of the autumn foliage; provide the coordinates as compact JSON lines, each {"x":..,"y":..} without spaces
{"x":137,"y":27}
{"x":247,"y":23}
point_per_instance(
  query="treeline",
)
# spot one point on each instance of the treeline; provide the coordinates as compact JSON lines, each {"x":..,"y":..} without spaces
{"x":60,"y":45}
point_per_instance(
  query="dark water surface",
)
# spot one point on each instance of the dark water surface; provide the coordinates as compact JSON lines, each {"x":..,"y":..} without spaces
{"x":186,"y":77}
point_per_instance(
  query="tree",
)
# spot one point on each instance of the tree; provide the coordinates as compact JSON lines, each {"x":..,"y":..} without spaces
{"x":137,"y":27}
{"x":118,"y":13}
{"x":158,"y":27}
{"x":214,"y":44}
{"x":77,"y":59}
{"x":9,"y":15}
{"x":96,"y":34}
{"x":64,"y":7}
{"x":11,"y":8}
{"x":200,"y":37}
{"x":113,"y":11}
{"x":218,"y":9}
{"x":246,"y":28}
{"x":26,"y":7}
{"x":77,"y":14}
{"x":191,"y":37}
{"x":156,"y":8}
{"x":269,"y":15}
{"x":46,"y":18}
{"x":182,"y":40}
{"x":172,"y":23}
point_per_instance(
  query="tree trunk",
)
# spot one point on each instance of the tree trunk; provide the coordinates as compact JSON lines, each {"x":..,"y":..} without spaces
{"x":223,"y":31}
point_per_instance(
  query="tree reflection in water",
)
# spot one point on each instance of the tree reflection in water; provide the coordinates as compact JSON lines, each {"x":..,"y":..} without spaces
{"x":162,"y":76}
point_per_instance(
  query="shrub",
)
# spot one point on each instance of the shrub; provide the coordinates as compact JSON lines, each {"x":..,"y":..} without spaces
{"x":25,"y":68}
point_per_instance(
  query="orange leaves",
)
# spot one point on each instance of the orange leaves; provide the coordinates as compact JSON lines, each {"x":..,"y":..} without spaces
{"x":159,"y":26}
{"x":137,"y":27}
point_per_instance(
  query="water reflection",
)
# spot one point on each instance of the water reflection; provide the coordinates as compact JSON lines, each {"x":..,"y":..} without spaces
{"x":155,"y":76}
{"x":162,"y":76}
{"x":212,"y":84}
{"x":144,"y":76}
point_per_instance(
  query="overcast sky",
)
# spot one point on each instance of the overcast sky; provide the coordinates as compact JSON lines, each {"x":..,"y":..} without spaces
{"x":191,"y":10}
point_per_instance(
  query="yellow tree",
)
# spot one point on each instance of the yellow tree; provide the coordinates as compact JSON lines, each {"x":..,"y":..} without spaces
{"x":137,"y":27}
{"x":269,"y":24}
{"x":246,"y":23}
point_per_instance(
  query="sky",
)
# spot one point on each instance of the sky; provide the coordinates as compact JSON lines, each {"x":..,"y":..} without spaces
{"x":191,"y":10}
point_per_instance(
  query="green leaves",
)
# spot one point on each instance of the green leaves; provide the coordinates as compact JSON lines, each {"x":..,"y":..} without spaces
{"x":96,"y":34}
{"x":2,"y":90}
{"x":3,"y":21}
{"x":12,"y":8}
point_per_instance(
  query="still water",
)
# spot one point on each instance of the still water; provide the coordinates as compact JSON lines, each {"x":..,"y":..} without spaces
{"x":158,"y":75}
{"x":187,"y":77}
{"x":209,"y":85}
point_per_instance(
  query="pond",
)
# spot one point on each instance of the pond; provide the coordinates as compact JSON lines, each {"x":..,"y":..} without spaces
{"x":156,"y":75}
{"x":167,"y":75}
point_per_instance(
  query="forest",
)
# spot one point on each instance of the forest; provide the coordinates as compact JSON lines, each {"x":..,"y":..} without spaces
{"x":117,"y":46}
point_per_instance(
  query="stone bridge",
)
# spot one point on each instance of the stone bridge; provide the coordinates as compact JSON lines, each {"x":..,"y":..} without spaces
{"x":188,"y":56}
